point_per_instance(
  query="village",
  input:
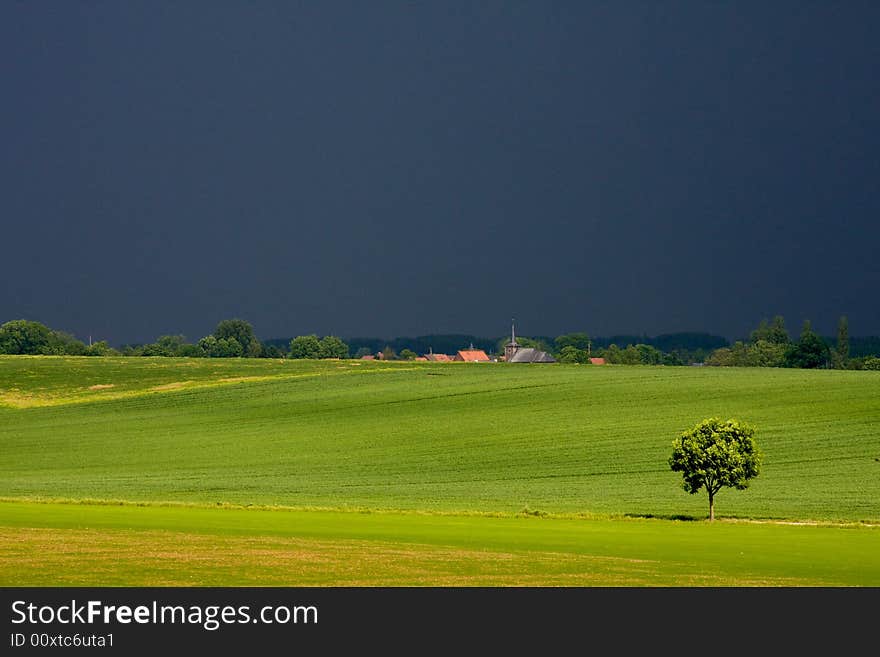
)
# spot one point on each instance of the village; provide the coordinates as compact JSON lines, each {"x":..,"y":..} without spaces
{"x":514,"y":352}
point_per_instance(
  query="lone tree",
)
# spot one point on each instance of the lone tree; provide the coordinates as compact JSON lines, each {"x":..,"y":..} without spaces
{"x":714,"y":454}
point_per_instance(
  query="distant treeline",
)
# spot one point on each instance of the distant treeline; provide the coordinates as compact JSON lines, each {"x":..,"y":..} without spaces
{"x":440,"y":344}
{"x":769,"y":345}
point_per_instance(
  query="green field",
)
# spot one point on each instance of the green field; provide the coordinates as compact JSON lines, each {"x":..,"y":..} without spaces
{"x":70,"y":545}
{"x":451,"y":444}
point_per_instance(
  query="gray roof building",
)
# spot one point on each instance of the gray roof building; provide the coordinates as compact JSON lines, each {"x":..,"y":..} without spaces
{"x":530,"y":355}
{"x":514,"y":353}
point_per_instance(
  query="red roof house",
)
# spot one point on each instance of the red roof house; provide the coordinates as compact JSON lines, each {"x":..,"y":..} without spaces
{"x":597,"y":361}
{"x":472,"y":356}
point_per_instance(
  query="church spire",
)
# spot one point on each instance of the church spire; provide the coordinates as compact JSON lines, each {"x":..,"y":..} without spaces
{"x":511,"y":347}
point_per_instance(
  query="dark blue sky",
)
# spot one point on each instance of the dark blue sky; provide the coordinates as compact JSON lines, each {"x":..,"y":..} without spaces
{"x":397,"y":168}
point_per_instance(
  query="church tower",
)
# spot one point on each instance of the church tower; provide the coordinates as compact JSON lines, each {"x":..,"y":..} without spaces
{"x":511,"y":347}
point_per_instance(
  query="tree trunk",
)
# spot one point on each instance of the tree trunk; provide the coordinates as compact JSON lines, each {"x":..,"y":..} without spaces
{"x":711,"y":506}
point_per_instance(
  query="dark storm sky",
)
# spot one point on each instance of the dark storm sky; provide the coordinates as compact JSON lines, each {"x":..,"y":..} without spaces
{"x":396,"y":168}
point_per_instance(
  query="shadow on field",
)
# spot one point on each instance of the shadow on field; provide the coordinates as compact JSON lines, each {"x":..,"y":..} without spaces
{"x":662,"y":516}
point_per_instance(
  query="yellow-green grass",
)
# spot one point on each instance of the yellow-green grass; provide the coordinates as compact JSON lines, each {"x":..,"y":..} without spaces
{"x":425,"y":436}
{"x":39,"y":381}
{"x":95,"y":545}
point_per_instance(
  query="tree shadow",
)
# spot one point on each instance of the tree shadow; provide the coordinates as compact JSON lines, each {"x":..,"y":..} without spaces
{"x":663,"y":516}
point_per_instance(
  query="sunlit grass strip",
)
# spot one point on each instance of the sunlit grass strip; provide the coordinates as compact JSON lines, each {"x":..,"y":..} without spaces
{"x":524,"y":513}
{"x":70,"y":545}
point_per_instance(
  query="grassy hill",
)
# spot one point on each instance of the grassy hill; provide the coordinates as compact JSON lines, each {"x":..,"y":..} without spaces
{"x":209,"y":472}
{"x":448,"y":437}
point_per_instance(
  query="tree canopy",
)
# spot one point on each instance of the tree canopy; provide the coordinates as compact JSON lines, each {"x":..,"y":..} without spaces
{"x":222,"y":348}
{"x":716,"y":454}
{"x":571,"y":354}
{"x":22,"y":336}
{"x":774,"y":332}
{"x":333,"y":347}
{"x":305,"y":346}
{"x":242,"y":332}
{"x":810,"y":352}
{"x":310,"y":346}
{"x":579,"y":341}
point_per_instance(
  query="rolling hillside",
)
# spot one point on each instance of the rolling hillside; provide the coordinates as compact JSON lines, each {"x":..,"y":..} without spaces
{"x":423,"y":436}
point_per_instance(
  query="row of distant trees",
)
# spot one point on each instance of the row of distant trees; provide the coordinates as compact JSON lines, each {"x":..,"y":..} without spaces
{"x":233,"y":338}
{"x":769,"y":345}
{"x":21,"y":336}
